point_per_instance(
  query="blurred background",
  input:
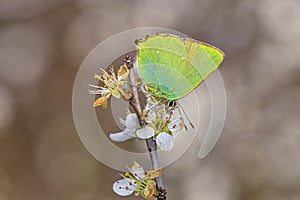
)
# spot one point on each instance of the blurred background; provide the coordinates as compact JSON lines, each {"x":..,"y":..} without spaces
{"x":42,"y":44}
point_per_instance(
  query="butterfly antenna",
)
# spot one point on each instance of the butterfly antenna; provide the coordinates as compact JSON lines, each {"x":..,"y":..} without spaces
{"x":180,"y":108}
{"x":185,"y":127}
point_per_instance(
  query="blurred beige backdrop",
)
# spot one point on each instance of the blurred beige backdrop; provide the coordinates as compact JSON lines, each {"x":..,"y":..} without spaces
{"x":43,"y":42}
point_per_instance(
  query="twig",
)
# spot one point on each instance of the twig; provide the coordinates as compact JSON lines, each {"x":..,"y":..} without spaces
{"x":151,"y":144}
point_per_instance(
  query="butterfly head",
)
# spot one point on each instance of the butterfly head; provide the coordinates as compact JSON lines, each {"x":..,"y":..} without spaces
{"x":172,"y":104}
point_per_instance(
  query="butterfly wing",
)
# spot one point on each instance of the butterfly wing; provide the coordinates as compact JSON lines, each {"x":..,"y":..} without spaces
{"x":176,"y":65}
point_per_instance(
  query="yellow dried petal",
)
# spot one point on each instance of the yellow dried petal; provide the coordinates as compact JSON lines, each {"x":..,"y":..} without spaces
{"x":154,"y":174}
{"x":102,"y":101}
{"x":149,"y":191}
{"x":123,"y":72}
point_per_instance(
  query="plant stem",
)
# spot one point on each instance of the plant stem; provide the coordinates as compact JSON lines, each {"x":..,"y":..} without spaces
{"x":151,"y":144}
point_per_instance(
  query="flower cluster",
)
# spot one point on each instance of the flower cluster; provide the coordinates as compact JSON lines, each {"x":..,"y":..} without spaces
{"x":138,"y":182}
{"x":157,"y":122}
{"x":113,"y":85}
{"x":159,"y":117}
{"x":160,"y":126}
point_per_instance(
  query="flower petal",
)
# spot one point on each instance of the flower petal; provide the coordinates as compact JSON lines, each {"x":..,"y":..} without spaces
{"x":165,"y":141}
{"x":137,"y":171}
{"x":123,"y":72}
{"x":175,"y":125}
{"x":145,"y":133}
{"x":132,"y":122}
{"x":102,"y":101}
{"x":152,"y":174}
{"x":121,"y":136}
{"x":122,"y":121}
{"x":151,"y":116}
{"x":124,"y":187}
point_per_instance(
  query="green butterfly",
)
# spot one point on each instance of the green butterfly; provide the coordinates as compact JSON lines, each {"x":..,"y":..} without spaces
{"x":173,"y":66}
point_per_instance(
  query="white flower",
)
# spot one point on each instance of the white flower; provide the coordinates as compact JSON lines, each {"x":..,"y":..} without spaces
{"x":165,"y":141}
{"x":138,"y":182}
{"x":132,"y":130}
{"x":158,"y":118}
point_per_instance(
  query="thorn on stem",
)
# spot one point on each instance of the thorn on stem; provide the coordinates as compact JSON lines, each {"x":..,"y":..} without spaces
{"x":128,"y":61}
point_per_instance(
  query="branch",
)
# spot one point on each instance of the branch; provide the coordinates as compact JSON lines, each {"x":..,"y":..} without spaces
{"x":151,"y":144}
